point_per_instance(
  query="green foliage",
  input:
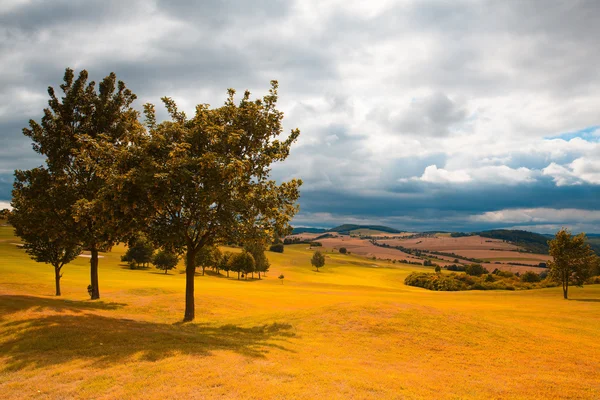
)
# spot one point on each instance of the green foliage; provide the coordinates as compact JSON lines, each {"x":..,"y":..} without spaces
{"x":475,"y":270}
{"x":530,"y":276}
{"x":318,"y":260}
{"x":4,"y":214}
{"x":41,"y":217}
{"x":205,"y":180}
{"x":224,"y":263}
{"x":165,"y":260}
{"x":281,"y":277}
{"x":438,"y":269}
{"x":343,"y":250}
{"x":140,"y":251}
{"x":208,"y":256}
{"x":277,"y":248}
{"x":261,"y":263}
{"x":241,"y":263}
{"x":454,"y":282}
{"x":73,"y":135}
{"x":574,"y":261}
{"x":532,"y":242}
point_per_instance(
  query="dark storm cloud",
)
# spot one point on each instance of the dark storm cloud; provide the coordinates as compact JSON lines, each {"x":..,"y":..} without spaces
{"x":380,"y":93}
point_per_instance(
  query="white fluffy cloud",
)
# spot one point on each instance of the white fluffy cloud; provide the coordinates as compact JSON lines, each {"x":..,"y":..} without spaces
{"x":489,"y":175}
{"x":582,"y":170}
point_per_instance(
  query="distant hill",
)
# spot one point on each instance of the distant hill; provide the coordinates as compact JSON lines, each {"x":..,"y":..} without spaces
{"x":530,"y":241}
{"x":347,"y":228}
{"x":299,"y":230}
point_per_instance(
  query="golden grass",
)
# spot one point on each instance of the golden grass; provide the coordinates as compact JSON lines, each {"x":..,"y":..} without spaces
{"x":353,"y":330}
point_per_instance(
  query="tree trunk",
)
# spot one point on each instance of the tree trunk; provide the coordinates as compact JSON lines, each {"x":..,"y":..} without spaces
{"x":94,"y":273}
{"x":258,"y":275}
{"x":238,"y":275}
{"x":228,"y":273}
{"x":57,"y":277}
{"x":565,"y":289}
{"x":166,"y":270}
{"x":203,"y":268}
{"x":190,"y":271}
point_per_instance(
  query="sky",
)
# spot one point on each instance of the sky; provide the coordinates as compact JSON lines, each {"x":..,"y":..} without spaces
{"x":460,"y":115}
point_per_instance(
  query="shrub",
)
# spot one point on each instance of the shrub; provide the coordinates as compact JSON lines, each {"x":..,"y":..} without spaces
{"x":475,"y":270}
{"x":438,"y":269}
{"x":343,"y":250}
{"x":530,"y":276}
{"x":489,"y":278}
{"x":277,"y":248}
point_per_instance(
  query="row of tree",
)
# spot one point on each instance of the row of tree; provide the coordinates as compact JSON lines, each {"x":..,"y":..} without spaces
{"x":186,"y":183}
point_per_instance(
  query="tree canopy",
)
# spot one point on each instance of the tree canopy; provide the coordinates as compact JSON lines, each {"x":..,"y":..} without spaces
{"x":573,"y":259}
{"x":41,"y":218}
{"x":73,"y":134}
{"x":318,"y":260}
{"x":205,"y":180}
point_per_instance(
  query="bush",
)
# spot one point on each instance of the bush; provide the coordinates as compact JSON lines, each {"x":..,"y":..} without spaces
{"x":530,"y":276}
{"x":315,"y":244}
{"x":343,"y":250}
{"x":475,"y":270}
{"x":277,"y":248}
{"x":489,"y":278}
{"x":438,"y":269}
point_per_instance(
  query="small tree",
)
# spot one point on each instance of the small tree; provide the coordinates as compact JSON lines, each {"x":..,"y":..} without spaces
{"x":224,"y":263}
{"x":40,"y":218}
{"x":261,"y":263}
{"x":573,"y":260}
{"x":530,"y":277}
{"x":277,"y":248}
{"x":165,"y":260}
{"x":280,"y":277}
{"x":318,"y":260}
{"x":343,"y":250}
{"x":475,"y":270}
{"x":209,"y":256}
{"x":140,"y":251}
{"x":241,"y":262}
{"x":438,"y":269}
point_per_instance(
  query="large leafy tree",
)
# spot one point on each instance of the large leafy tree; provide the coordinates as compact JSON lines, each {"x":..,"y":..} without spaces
{"x":42,"y":219}
{"x":573,"y":261}
{"x":208,"y":256}
{"x":73,"y":135}
{"x":207,"y":178}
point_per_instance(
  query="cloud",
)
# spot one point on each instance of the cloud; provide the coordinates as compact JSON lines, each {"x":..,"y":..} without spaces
{"x":417,"y":113}
{"x":539,"y":215}
{"x":580,"y":171}
{"x":5,"y":205}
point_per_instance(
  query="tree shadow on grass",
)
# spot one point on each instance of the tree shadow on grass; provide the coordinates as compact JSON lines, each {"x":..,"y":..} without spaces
{"x":10,"y":304}
{"x":587,"y":300}
{"x":105,"y":341}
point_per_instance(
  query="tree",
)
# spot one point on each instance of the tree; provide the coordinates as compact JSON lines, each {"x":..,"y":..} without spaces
{"x":206,"y":179}
{"x":165,"y":260}
{"x":475,"y":270}
{"x":281,"y":277}
{"x":208,"y":256}
{"x":40,"y":218}
{"x":276,"y":248}
{"x":343,"y":250}
{"x":4,"y":213}
{"x":224,"y":263}
{"x":261,"y":263}
{"x":140,"y":251}
{"x":241,"y":262}
{"x":438,"y":269}
{"x":573,"y":259}
{"x":318,"y":260}
{"x":73,"y":135}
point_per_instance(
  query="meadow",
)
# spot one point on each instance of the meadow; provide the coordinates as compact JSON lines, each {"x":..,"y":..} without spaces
{"x":353,"y":330}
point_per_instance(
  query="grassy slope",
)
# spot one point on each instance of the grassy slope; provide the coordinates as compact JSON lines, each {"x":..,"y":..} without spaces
{"x":351,"y":331}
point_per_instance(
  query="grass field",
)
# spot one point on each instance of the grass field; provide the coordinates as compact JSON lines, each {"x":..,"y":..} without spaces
{"x":353,"y":330}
